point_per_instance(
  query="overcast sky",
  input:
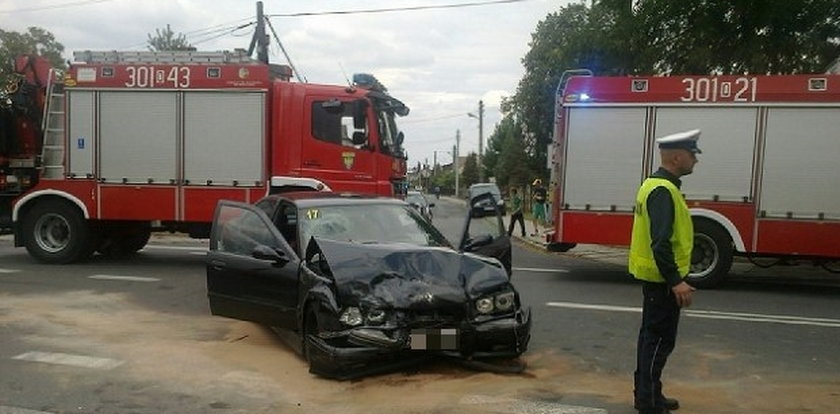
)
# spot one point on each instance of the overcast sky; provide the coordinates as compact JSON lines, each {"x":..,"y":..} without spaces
{"x":440,"y":62}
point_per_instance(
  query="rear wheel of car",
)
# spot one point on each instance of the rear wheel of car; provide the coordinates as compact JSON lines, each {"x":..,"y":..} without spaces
{"x":711,"y":258}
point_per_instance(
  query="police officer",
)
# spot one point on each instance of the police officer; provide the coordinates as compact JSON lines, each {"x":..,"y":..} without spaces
{"x":660,"y":256}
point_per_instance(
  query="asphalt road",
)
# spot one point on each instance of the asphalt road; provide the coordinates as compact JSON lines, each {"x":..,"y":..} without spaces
{"x":135,"y":336}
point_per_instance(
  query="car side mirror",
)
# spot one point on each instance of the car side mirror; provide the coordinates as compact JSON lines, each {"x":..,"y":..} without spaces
{"x":431,"y":205}
{"x":478,"y":241}
{"x":263,"y":252}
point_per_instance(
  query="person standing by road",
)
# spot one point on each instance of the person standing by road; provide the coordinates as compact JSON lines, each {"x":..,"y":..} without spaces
{"x":538,"y":205}
{"x":660,"y":256}
{"x":516,"y":212}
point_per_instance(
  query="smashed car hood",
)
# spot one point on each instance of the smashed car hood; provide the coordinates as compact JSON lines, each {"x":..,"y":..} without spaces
{"x":405,"y":276}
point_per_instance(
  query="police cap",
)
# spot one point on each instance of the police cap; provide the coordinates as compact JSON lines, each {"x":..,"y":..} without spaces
{"x":681,"y":140}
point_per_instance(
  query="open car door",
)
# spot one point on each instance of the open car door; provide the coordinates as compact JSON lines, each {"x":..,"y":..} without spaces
{"x":252,"y":273}
{"x":486,"y":235}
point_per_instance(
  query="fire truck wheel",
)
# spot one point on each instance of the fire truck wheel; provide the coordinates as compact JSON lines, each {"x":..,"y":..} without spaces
{"x":56,"y":232}
{"x":123,"y":239}
{"x":712,"y":255}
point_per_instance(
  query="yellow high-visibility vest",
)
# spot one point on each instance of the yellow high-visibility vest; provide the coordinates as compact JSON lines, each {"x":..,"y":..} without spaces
{"x":642,"y":265}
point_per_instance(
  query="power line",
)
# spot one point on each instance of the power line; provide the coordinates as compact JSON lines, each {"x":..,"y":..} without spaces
{"x":207,"y":31}
{"x":397,"y":9}
{"x":55,"y":6}
{"x":221,"y":32}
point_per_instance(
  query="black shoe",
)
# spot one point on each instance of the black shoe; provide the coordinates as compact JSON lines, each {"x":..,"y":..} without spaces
{"x":655,"y":411}
{"x":670,"y":404}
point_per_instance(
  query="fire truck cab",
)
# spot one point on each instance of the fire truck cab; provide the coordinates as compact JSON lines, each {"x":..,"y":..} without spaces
{"x":766,"y":182}
{"x":140,"y":141}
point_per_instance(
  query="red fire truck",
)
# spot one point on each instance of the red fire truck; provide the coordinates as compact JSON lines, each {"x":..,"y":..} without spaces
{"x":130,"y":142}
{"x":767,"y":184}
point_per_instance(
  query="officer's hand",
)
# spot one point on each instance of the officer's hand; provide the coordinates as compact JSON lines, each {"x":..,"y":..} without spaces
{"x":683,"y":293}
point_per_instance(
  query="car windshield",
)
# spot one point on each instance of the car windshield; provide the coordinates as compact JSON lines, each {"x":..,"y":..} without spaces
{"x":481,"y":189}
{"x":369,"y":223}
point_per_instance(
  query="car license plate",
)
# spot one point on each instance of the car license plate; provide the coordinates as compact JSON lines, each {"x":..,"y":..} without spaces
{"x":435,"y":339}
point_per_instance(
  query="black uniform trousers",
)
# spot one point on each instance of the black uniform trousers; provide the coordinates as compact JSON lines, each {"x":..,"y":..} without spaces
{"x":514,"y":218}
{"x":657,"y":337}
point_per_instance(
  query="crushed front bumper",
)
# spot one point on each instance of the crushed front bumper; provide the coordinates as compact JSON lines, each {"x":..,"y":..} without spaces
{"x":390,"y":349}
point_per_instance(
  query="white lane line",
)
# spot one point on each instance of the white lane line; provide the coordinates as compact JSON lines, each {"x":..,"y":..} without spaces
{"x":185,"y":248}
{"x":705,"y":314}
{"x":5,"y":272}
{"x":125,"y":278}
{"x":69,"y":359}
{"x":515,"y":406}
{"x":541,"y":270}
{"x":5,"y":409}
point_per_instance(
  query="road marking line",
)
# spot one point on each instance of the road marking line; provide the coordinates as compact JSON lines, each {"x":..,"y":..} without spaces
{"x":165,"y":247}
{"x":541,"y":270}
{"x":7,"y":271}
{"x":516,"y":406}
{"x":5,"y":409}
{"x":125,"y":278}
{"x":706,"y":314}
{"x":199,"y":253}
{"x":68,"y":359}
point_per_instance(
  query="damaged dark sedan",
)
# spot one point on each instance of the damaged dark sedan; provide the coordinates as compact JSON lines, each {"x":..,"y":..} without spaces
{"x":361,"y":285}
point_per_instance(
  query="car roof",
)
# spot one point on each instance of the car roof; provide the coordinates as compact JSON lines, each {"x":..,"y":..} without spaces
{"x":306,"y":199}
{"x":482,"y":186}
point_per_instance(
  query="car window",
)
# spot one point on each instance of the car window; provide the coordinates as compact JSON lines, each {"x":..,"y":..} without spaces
{"x":240,"y":230}
{"x":369,"y":223}
{"x":477,"y":189}
{"x":286,"y":222}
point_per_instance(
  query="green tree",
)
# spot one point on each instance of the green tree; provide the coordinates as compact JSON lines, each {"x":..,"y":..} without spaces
{"x":510,"y":161}
{"x":662,"y":37}
{"x":739,"y":37}
{"x":470,"y":174}
{"x":35,"y":41}
{"x":445,"y":179}
{"x":166,"y":39}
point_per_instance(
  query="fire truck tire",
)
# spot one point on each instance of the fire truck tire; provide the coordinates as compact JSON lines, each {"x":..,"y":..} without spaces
{"x":56,"y":232}
{"x":123,"y":239}
{"x":711,"y":258}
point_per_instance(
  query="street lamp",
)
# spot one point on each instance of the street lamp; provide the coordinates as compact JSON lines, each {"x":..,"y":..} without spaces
{"x":480,"y":118}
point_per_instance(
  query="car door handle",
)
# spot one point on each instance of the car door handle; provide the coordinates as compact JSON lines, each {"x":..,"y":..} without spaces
{"x":311,"y":163}
{"x":217,"y":264}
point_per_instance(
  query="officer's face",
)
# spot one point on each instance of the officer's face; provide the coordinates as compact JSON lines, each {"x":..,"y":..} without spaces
{"x":687,"y":159}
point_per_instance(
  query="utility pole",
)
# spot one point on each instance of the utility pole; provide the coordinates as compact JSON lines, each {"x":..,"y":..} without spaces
{"x":455,"y":160}
{"x":480,"y":118}
{"x":260,"y":40}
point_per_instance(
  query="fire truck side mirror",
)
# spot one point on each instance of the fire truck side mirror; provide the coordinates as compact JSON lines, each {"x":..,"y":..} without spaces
{"x":360,"y":107}
{"x":359,"y":138}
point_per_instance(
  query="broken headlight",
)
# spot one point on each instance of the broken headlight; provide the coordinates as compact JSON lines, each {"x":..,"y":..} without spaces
{"x":375,"y":316}
{"x":499,"y":303}
{"x":351,"y":316}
